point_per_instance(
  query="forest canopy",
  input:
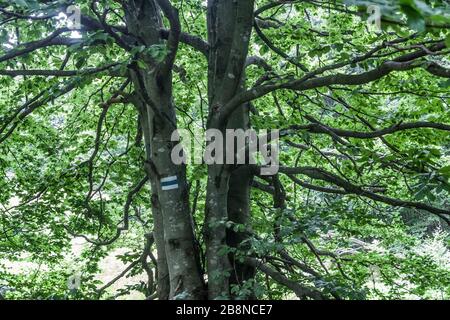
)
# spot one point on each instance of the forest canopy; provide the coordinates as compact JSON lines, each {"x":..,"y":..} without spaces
{"x":91,"y":92}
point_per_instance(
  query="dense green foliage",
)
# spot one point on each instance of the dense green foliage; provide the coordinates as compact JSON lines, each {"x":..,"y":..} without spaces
{"x":68,"y":163}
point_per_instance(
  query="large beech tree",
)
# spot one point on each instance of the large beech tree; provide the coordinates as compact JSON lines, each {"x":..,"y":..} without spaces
{"x":91,"y":92}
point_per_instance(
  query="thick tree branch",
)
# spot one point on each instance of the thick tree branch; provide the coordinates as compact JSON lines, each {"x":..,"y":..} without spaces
{"x":191,"y":40}
{"x":301,"y":291}
{"x":50,"y":40}
{"x":56,"y":73}
{"x":310,"y":81}
{"x":321,"y":128}
{"x":173,"y":38}
{"x":320,"y":174}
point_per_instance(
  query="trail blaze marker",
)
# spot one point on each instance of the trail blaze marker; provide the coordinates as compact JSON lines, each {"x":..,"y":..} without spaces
{"x":169,"y":183}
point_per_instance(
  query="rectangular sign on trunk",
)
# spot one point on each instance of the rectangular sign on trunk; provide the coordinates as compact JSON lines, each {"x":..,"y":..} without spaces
{"x":169,"y":183}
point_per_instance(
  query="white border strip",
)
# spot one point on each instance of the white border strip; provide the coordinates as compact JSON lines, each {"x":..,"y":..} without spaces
{"x":169,"y":179}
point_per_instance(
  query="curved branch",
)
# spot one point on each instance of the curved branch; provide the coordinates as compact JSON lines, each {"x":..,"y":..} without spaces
{"x":320,"y":128}
{"x":125,"y":226}
{"x":320,"y":174}
{"x":310,"y":81}
{"x":173,"y":38}
{"x":258,"y":61}
{"x":438,"y":70}
{"x":314,"y":187}
{"x":120,"y":275}
{"x":273,"y":5}
{"x":191,"y":40}
{"x":301,"y":291}
{"x":55,"y":73}
{"x":26,"y":109}
{"x":28,"y":17}
{"x":52,"y":39}
{"x":276,"y":49}
{"x":108,"y":28}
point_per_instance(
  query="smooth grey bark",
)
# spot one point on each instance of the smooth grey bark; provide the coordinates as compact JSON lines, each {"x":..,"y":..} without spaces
{"x":229,"y":30}
{"x":153,"y":86}
{"x":216,"y":216}
{"x":238,"y":206}
{"x":163,"y":287}
{"x":238,"y":202}
{"x":182,"y":256}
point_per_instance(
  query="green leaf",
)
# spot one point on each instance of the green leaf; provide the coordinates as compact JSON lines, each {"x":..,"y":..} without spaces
{"x":157,"y":52}
{"x":445,"y":83}
{"x":141,"y":64}
{"x":445,"y":171}
{"x":80,"y":62}
{"x":447,"y":40}
{"x":415,"y":19}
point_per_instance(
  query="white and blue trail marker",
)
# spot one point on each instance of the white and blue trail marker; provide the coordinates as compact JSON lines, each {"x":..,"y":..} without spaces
{"x":169,"y":183}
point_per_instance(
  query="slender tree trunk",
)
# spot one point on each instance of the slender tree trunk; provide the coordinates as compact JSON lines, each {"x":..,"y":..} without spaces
{"x":238,"y":205}
{"x":182,"y":256}
{"x":216,"y":217}
{"x":229,"y":29}
{"x":163,"y":286}
{"x":153,"y":86}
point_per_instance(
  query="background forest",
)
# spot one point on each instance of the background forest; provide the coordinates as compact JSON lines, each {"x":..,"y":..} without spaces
{"x":360,"y":208}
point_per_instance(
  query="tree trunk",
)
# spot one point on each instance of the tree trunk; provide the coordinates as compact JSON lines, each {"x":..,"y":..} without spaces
{"x":153,"y":86}
{"x":182,"y":256}
{"x":238,"y":205}
{"x":216,"y":216}
{"x":229,"y":29}
{"x":163,"y":286}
